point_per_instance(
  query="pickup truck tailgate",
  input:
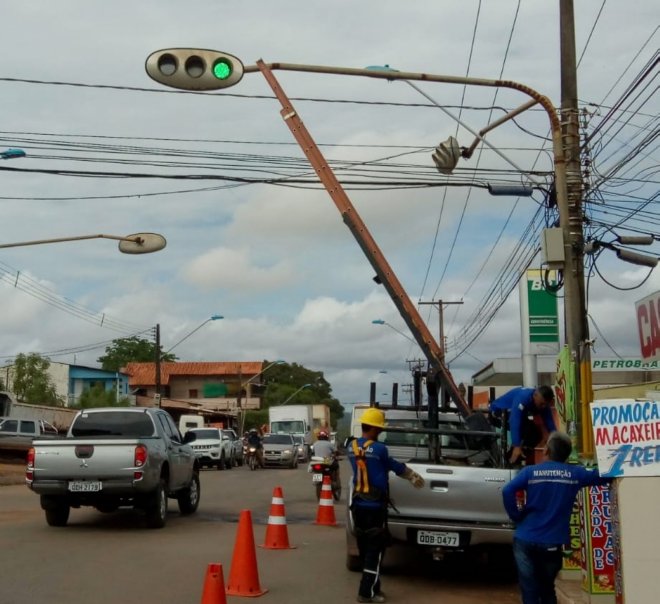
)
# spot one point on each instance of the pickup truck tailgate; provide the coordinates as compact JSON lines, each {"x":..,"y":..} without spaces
{"x":452,"y":494}
{"x":80,"y":458}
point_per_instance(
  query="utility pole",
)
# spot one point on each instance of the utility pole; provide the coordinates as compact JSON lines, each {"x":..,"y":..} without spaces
{"x":158,"y":357}
{"x":441,"y":304}
{"x":571,"y":222}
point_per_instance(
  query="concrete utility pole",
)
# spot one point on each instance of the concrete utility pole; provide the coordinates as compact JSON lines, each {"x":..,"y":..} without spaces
{"x":158,"y":355}
{"x":571,"y":222}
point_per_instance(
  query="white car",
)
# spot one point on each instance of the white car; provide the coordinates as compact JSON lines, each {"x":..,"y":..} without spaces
{"x":212,"y":448}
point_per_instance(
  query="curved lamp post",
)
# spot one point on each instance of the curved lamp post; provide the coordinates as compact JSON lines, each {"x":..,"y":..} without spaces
{"x":294,"y":394}
{"x":239,"y":408}
{"x":211,"y":318}
{"x":138,"y":243}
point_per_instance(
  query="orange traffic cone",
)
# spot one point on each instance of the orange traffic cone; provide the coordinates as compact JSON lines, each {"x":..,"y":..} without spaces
{"x":214,"y":586}
{"x":277,"y":536}
{"x":244,"y":575}
{"x":326,"y":512}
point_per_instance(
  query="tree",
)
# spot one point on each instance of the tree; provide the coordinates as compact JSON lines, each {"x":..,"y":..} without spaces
{"x":98,"y":396}
{"x":32,"y":383}
{"x":283,"y":380}
{"x":133,"y":349}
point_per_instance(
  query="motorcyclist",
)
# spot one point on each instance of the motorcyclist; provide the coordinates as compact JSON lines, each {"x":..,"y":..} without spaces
{"x":254,"y":440}
{"x":324,"y":448}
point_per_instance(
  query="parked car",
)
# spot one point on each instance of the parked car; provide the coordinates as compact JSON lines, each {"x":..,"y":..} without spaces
{"x":236,"y":444}
{"x":211,"y":447}
{"x":115,"y":457}
{"x":18,"y":433}
{"x":280,"y":450}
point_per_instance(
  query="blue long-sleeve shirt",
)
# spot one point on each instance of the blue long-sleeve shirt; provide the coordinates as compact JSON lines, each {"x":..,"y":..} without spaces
{"x":550,"y":489}
{"x":519,"y":402}
{"x":379,"y":465}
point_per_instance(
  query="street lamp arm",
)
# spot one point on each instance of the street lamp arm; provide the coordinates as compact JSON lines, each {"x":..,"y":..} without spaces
{"x":213,"y":318}
{"x":140,"y":243}
{"x":135,"y":239}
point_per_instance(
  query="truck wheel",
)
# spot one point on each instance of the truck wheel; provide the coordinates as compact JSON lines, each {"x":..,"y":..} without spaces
{"x":188,"y":498}
{"x":353,"y":563}
{"x":230,"y":464}
{"x":221,"y":463}
{"x":240,"y":461}
{"x":58,"y":515}
{"x":156,"y":510}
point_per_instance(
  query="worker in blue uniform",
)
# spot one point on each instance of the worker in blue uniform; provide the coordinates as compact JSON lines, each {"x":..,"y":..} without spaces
{"x":371,"y":465}
{"x":542,"y":521}
{"x":521,"y":405}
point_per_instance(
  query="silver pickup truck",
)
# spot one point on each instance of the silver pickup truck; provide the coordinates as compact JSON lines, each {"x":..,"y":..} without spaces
{"x":460,"y":506}
{"x":115,"y":457}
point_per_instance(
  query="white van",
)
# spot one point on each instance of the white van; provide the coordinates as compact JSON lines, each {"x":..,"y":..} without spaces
{"x":188,"y":422}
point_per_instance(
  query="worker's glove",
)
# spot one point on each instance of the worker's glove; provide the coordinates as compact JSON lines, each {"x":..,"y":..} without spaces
{"x":415,"y":479}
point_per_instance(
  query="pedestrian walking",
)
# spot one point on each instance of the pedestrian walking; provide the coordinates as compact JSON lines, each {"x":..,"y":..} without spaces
{"x":371,"y":465}
{"x":542,"y":521}
{"x":521,"y":405}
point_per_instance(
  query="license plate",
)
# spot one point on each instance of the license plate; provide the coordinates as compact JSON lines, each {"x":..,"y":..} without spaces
{"x":317,"y":477}
{"x":85,"y":486}
{"x":437,"y":538}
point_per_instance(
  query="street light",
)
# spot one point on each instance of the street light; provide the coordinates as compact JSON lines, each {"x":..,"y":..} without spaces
{"x":239,"y":396}
{"x":159,"y":355}
{"x":294,"y":394}
{"x":382,"y":322}
{"x":211,"y":318}
{"x":138,"y":243}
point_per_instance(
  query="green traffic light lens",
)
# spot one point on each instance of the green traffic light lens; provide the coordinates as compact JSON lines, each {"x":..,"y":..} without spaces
{"x":222,"y":69}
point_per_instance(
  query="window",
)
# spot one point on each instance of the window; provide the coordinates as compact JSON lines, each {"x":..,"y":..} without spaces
{"x":9,"y":425}
{"x":129,"y":424}
{"x":278,"y":439}
{"x":28,"y":426}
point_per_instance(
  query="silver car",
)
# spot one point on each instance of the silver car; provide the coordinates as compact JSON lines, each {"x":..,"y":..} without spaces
{"x":280,"y":450}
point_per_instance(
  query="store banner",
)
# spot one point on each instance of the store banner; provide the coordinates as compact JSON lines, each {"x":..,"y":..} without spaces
{"x":566,"y":396}
{"x":627,"y":437}
{"x":597,"y":537}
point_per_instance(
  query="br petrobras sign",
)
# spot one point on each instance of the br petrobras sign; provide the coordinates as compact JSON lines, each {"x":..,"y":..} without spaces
{"x":627,"y":437}
{"x":648,"y":326}
{"x":625,"y":365}
{"x":543,"y":316}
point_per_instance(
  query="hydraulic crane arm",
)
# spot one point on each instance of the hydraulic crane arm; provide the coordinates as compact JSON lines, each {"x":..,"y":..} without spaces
{"x":439,"y":373}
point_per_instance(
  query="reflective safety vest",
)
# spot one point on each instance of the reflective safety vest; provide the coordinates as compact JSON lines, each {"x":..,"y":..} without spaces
{"x":361,"y":476}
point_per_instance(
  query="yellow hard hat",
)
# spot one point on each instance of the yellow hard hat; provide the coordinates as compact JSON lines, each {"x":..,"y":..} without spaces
{"x":373,"y":417}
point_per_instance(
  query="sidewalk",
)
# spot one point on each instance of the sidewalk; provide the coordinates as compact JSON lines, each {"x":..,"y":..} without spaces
{"x":570,"y":592}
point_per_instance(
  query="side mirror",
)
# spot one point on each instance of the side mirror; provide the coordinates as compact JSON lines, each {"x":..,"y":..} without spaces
{"x":189,"y":437}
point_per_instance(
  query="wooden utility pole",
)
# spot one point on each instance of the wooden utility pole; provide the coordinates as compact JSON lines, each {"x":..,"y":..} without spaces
{"x":575,"y":311}
{"x":441,"y":304}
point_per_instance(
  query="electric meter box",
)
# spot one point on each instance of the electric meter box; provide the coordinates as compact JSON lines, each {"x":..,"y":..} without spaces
{"x":552,"y":248}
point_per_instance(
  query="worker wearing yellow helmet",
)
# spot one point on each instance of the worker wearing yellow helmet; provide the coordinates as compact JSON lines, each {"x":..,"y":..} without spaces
{"x":371,"y":465}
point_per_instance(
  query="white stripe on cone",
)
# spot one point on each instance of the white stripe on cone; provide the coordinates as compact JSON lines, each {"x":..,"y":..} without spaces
{"x":278,"y":501}
{"x":327,"y":502}
{"x":276,"y":520}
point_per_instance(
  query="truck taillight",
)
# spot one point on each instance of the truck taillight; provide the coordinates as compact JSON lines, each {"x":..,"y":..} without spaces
{"x":140,"y":456}
{"x":29,"y":471}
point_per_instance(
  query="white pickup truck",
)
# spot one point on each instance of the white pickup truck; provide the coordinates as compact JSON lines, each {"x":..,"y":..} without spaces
{"x":460,"y":506}
{"x":115,"y":457}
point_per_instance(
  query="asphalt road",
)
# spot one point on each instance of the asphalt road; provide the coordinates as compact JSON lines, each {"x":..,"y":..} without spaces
{"x":113,"y":559}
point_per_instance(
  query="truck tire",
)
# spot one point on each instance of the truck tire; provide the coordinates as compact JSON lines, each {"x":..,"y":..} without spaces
{"x":57,"y":515}
{"x":221,"y":464}
{"x":241,"y":460}
{"x":230,"y":463}
{"x":188,"y":498}
{"x":156,"y":508}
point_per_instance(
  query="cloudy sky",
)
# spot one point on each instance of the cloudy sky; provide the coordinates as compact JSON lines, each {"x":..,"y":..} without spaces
{"x":276,"y":259}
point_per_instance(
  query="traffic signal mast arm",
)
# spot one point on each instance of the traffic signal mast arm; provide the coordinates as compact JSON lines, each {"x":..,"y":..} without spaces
{"x":428,"y":344}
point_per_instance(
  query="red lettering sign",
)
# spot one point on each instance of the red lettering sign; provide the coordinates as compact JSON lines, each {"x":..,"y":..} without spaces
{"x":648,"y":326}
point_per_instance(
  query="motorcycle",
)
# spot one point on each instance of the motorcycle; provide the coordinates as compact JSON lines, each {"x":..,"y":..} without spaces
{"x":323,"y":466}
{"x":252,"y":457}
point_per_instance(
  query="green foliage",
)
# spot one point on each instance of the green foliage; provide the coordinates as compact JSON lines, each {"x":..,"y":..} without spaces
{"x":31,"y":381}
{"x":285,"y":380}
{"x":255,"y":419}
{"x":133,"y":349}
{"x":98,"y":396}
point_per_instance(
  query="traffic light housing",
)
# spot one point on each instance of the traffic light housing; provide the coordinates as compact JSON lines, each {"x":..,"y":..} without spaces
{"x":194,"y":68}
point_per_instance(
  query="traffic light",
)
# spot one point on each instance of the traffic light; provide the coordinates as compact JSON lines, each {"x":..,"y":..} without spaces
{"x":194,"y":68}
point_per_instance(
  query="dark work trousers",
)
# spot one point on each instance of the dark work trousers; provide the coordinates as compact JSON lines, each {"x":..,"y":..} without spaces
{"x":371,"y":532}
{"x":538,"y":566}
